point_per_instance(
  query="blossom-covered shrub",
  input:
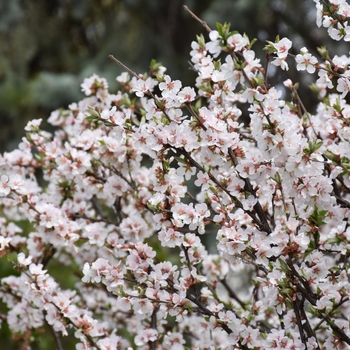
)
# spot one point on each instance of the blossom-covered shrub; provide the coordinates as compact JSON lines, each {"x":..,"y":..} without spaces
{"x":131,"y":191}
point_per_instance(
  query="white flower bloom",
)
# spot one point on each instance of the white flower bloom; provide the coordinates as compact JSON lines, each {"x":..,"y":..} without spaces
{"x":4,"y":242}
{"x":282,"y":48}
{"x":4,"y":186}
{"x":306,"y":61}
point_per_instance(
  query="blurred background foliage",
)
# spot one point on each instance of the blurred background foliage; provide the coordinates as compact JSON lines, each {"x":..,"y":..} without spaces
{"x":47,"y":47}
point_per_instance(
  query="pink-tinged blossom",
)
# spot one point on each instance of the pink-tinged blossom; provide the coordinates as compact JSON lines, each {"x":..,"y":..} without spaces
{"x":251,"y":63}
{"x":237,"y":42}
{"x":50,"y":216}
{"x":4,"y":242}
{"x":115,"y":186}
{"x":110,"y":342}
{"x":202,"y":180}
{"x":124,"y":304}
{"x":134,"y":229}
{"x":197,"y":52}
{"x":186,"y":95}
{"x":55,"y":319}
{"x":170,"y":237}
{"x":343,"y":85}
{"x":36,"y":270}
{"x":279,"y":62}
{"x":92,"y":85}
{"x":170,"y":88}
{"x":249,"y":203}
{"x":215,"y":267}
{"x":236,"y":185}
{"x":108,"y":114}
{"x":282,"y":48}
{"x":123,"y":78}
{"x":175,"y":114}
{"x":306,"y":61}
{"x":186,"y":170}
{"x":142,"y":87}
{"x":33,"y":125}
{"x":205,"y":67}
{"x":341,"y":61}
{"x":231,"y":241}
{"x":341,"y":31}
{"x":94,"y":272}
{"x":213,"y":46}
{"x":23,"y":316}
{"x":145,"y":336}
{"x":143,"y":306}
{"x":5,"y":188}
{"x":95,"y":233}
{"x":22,"y":260}
{"x":174,"y":341}
{"x":251,"y":337}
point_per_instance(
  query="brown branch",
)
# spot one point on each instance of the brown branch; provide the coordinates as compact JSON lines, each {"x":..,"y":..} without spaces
{"x":237,"y":202}
{"x":309,"y":331}
{"x":56,"y":337}
{"x":233,"y":294}
{"x":207,"y":312}
{"x":125,"y":67}
{"x":153,"y":344}
{"x":203,"y":23}
{"x":299,"y":322}
{"x":345,"y":338}
{"x":264,"y":225}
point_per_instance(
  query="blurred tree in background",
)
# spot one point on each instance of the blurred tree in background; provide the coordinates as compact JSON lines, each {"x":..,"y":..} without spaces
{"x":48,"y":47}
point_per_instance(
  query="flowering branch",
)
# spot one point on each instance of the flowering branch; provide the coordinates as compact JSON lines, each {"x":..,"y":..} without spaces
{"x":157,"y":199}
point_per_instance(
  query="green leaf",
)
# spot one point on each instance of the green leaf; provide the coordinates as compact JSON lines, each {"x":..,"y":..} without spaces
{"x":337,"y":105}
{"x":180,"y":160}
{"x":313,"y":146}
{"x":166,"y":166}
{"x":317,"y":217}
{"x":252,"y":42}
{"x":224,"y":30}
{"x":284,"y":266}
{"x":323,"y":52}
{"x":94,"y":113}
{"x":270,"y":47}
{"x":201,"y":40}
{"x":335,"y":158}
{"x":198,"y":104}
{"x":154,"y":66}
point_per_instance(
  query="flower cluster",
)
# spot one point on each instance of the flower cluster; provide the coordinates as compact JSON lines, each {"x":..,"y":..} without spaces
{"x":179,"y":225}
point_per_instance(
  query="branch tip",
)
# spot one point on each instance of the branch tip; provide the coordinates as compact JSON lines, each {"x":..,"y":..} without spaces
{"x":203,"y":23}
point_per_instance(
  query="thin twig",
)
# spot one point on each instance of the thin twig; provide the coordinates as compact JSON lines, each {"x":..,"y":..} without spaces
{"x":150,"y":93}
{"x":153,"y":344}
{"x":233,"y":294}
{"x":203,"y":23}
{"x":207,"y":312}
{"x":301,"y":104}
{"x":98,"y":207}
{"x":339,"y":332}
{"x":236,"y":201}
{"x":310,"y":333}
{"x":124,"y":66}
{"x":56,"y":337}
{"x":299,"y":322}
{"x":264,"y":225}
{"x":85,"y":217}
